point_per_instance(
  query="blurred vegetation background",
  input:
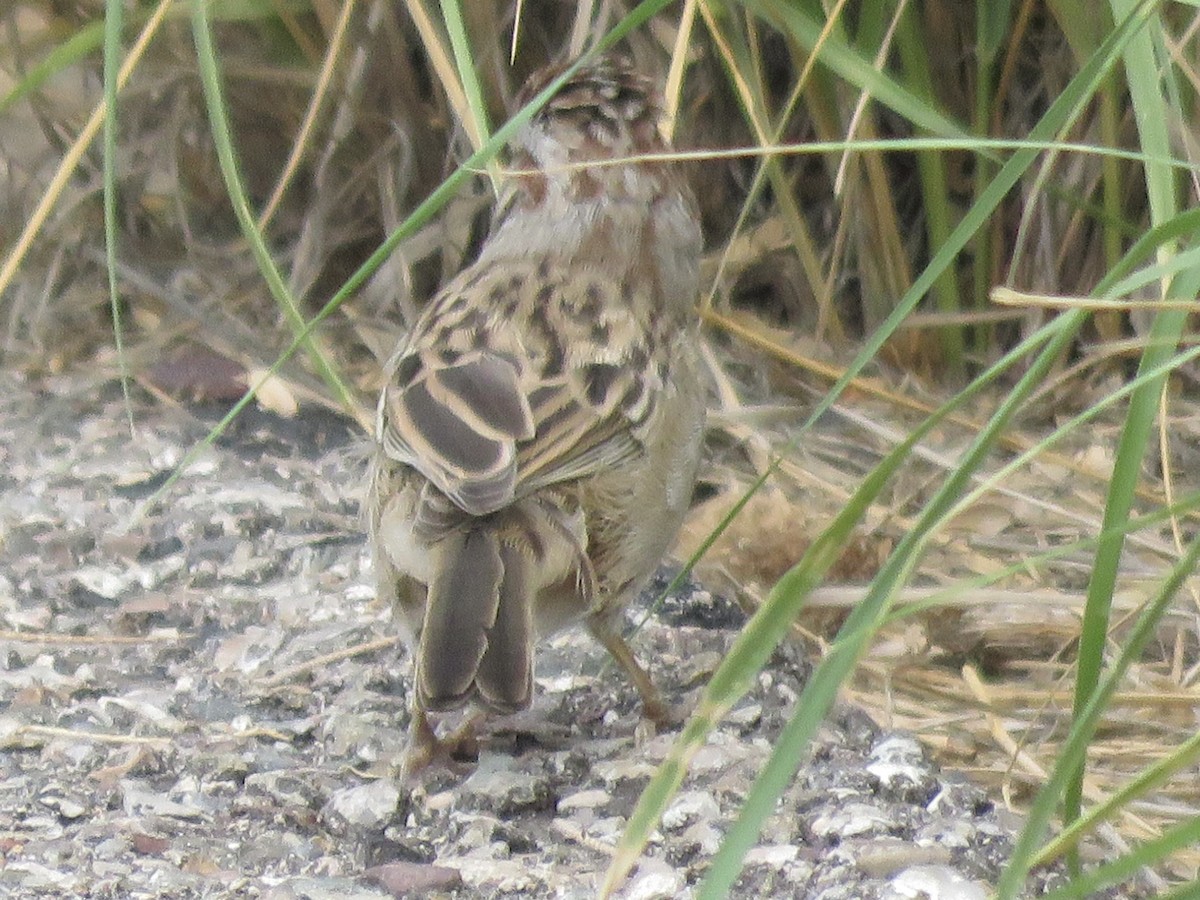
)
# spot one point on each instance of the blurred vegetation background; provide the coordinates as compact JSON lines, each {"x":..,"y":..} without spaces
{"x":970,"y":222}
{"x":345,"y":116}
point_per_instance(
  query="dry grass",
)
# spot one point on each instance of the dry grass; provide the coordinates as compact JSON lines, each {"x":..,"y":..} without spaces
{"x":978,"y":660}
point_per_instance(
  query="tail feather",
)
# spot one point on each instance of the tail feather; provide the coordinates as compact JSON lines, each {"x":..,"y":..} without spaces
{"x":478,"y":631}
{"x":505,"y":674}
{"x":459,"y":612}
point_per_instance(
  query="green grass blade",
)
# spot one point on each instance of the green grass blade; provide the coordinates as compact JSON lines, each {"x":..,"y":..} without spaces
{"x":755,"y":642}
{"x":821,"y":691}
{"x":1179,"y":263}
{"x":765,"y":629}
{"x":113,"y":28}
{"x":936,"y":194}
{"x":859,"y":71}
{"x":80,"y":44}
{"x":992,"y":19}
{"x":1150,"y":778}
{"x":1143,"y":76}
{"x":1074,"y":749}
{"x":210,"y":77}
{"x":477,"y":126}
{"x":1061,"y":114}
{"x":1182,"y":836}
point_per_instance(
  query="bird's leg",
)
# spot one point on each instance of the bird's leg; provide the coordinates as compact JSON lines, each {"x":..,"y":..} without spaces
{"x":423,"y":744}
{"x":654,"y":708}
{"x":426,"y":750}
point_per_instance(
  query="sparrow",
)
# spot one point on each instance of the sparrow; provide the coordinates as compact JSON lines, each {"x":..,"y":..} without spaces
{"x":539,"y":431}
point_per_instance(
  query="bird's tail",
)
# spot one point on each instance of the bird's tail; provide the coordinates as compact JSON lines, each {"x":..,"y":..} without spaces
{"x":477,"y":636}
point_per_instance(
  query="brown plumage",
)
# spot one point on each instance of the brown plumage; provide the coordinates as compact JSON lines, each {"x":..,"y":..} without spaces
{"x":538,"y":436}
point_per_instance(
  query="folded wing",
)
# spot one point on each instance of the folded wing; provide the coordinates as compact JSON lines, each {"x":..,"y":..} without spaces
{"x":490,"y":412}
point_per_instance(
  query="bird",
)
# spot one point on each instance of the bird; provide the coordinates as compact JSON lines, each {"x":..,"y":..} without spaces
{"x":540,"y":426}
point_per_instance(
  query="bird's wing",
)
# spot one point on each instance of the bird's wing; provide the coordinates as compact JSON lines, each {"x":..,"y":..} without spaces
{"x":517,"y":378}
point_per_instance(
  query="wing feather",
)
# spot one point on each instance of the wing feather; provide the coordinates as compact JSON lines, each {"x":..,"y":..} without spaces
{"x":542,"y":386}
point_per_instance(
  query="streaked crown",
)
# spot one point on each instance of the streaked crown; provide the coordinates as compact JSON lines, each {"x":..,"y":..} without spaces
{"x":605,"y":110}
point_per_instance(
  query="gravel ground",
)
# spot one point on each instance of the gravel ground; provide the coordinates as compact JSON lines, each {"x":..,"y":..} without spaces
{"x":165,"y":731}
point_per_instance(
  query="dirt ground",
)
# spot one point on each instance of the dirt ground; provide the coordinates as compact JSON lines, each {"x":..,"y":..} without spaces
{"x":208,"y":702}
